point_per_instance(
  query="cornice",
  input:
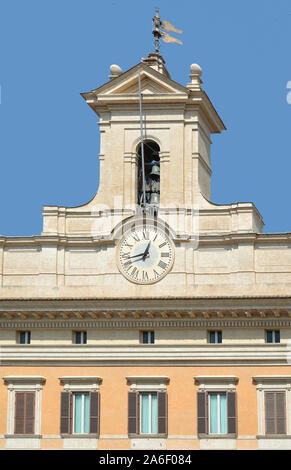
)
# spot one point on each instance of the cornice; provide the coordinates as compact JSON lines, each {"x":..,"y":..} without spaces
{"x":149,"y":355}
{"x":137,"y":316}
{"x":264,"y":379}
{"x":204,"y":237}
{"x":25,"y":379}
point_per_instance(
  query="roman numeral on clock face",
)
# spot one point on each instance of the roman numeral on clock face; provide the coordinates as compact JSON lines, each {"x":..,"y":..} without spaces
{"x":162,"y":244}
{"x":125,"y":255}
{"x":134,"y":273}
{"x":162,"y":264}
{"x":127,"y":244}
{"x":127,"y":265}
{"x":156,"y":274}
{"x":146,"y":234}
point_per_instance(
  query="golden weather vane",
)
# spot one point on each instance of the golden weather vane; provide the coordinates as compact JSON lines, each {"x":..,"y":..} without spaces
{"x":159,"y":31}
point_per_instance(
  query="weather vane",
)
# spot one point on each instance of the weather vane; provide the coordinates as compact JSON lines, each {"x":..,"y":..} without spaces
{"x":159,"y":31}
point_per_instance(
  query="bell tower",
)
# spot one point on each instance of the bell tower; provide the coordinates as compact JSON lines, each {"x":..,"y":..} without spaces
{"x":155,"y":146}
{"x":177,"y":124}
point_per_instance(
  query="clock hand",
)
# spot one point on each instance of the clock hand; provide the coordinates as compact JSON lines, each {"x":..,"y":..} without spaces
{"x":145,"y":255}
{"x":135,"y":256}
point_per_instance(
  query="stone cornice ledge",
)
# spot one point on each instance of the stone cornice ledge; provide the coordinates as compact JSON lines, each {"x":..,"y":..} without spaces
{"x":25,"y":379}
{"x":272,"y":379}
{"x":207,"y":381}
{"x":80,"y":382}
{"x":147,"y":382}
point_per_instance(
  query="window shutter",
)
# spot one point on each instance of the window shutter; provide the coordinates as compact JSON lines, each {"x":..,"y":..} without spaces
{"x":162,"y":413}
{"x":231,"y":413}
{"x":280,"y":412}
{"x":19,"y":412}
{"x":132,"y":413}
{"x":66,"y":399}
{"x":275,"y":411}
{"x":270,"y":412}
{"x":94,"y":412}
{"x":29,"y":413}
{"x":24,"y":412}
{"x":202,"y":414}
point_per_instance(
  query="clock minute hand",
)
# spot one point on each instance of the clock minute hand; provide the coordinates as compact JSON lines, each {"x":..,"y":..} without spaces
{"x":135,"y":256}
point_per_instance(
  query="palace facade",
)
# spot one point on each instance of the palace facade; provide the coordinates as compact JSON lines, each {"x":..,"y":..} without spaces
{"x":149,"y":317}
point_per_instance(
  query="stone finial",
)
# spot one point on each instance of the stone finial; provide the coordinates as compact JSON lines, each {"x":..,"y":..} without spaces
{"x":195,"y":76}
{"x":115,"y":71}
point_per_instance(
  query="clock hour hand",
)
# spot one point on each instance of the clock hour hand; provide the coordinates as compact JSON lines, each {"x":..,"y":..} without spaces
{"x":145,"y":255}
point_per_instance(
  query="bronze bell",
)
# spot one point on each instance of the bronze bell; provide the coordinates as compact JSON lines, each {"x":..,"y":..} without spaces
{"x":155,"y":198}
{"x":155,"y":170}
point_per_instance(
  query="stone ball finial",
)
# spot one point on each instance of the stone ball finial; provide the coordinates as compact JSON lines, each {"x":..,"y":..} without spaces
{"x":195,"y":69}
{"x":115,"y":70}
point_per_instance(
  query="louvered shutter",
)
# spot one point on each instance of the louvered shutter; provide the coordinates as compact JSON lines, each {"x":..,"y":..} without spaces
{"x":275,"y":411}
{"x":132,"y":413}
{"x":231,"y":413}
{"x":162,"y":412}
{"x":270,"y":412}
{"x":202,"y":414}
{"x":94,"y":412}
{"x":66,"y":401}
{"x":29,"y":413}
{"x":24,"y":412}
{"x":19,"y":412}
{"x":280,"y":413}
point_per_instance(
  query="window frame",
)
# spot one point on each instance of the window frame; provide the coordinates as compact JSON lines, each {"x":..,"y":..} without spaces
{"x":216,"y":336}
{"x":150,"y":394}
{"x":272,"y":383}
{"x":27,"y":336}
{"x":150,"y":385}
{"x":24,"y":384}
{"x":82,"y":385}
{"x":273,"y":333}
{"x":82,"y":333}
{"x":83,"y":394}
{"x":150,"y":336}
{"x":218,"y":394}
{"x":217,"y":385}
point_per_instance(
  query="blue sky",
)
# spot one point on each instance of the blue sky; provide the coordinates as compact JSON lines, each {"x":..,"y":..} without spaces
{"x":51,"y":51}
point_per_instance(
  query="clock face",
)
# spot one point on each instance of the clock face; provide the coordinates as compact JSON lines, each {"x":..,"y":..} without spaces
{"x":145,"y":255}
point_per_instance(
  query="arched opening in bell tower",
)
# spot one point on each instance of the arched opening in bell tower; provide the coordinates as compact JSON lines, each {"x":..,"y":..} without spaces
{"x":152,"y":174}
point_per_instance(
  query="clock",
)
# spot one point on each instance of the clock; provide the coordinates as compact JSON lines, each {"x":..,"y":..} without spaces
{"x":145,"y":254}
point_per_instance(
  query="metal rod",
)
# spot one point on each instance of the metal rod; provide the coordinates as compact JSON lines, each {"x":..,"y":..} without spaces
{"x":141,"y":140}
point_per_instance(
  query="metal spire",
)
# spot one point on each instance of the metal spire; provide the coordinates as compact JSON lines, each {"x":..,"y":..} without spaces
{"x":156,"y":31}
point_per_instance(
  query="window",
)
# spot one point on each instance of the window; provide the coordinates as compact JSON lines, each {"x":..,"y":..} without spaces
{"x":81,"y":413}
{"x":24,"y":412}
{"x":217,"y":413}
{"x":216,"y":406}
{"x":80,"y":337}
{"x":147,"y":406}
{"x":215,"y":336}
{"x":151,"y":174}
{"x":273,"y":336}
{"x":148,"y":413}
{"x":24,"y":407}
{"x":24,"y":337}
{"x":80,"y":405}
{"x":275,"y":412}
{"x":147,"y":337}
{"x":274,"y":416}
